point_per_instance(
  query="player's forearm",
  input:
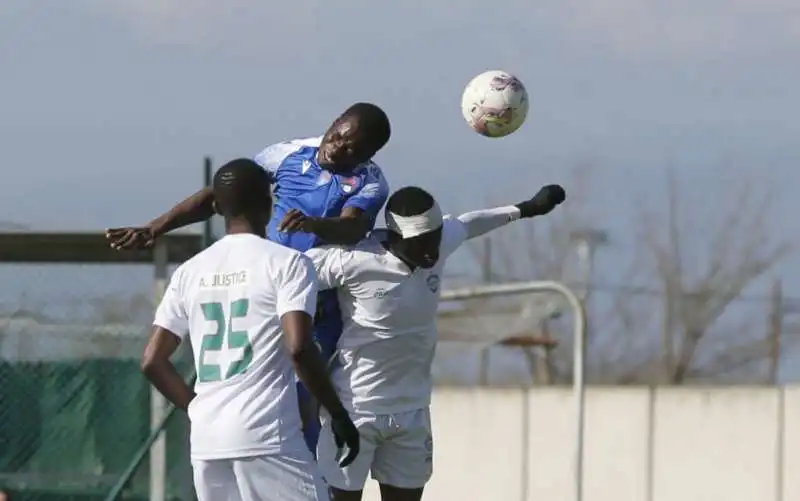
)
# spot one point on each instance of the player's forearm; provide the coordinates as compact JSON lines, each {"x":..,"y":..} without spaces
{"x":194,"y":209}
{"x":480,"y":222}
{"x":310,"y":368}
{"x":163,"y":375}
{"x":340,"y":230}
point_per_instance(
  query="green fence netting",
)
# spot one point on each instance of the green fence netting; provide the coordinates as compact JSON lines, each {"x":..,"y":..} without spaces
{"x":69,"y":429}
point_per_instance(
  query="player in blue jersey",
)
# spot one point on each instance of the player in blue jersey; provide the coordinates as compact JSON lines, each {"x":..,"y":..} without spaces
{"x":327,"y":191}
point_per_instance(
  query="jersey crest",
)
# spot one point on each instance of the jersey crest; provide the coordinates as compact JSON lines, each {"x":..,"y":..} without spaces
{"x":349,"y":185}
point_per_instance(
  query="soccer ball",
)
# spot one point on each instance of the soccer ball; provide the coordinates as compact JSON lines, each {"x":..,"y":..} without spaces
{"x":495,"y":103}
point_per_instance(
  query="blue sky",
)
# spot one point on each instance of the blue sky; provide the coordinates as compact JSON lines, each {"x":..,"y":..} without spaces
{"x":108,"y":106}
{"x":118,"y":100}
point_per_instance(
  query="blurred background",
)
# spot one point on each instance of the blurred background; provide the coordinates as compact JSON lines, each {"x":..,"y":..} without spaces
{"x":672,"y":125}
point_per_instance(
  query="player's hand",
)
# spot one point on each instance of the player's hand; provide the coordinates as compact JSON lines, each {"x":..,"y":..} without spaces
{"x":545,"y":200}
{"x":294,"y":221}
{"x":347,"y":439}
{"x":130,"y":238}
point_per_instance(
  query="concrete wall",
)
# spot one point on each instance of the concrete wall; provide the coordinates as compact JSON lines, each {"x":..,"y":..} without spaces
{"x":641,"y":444}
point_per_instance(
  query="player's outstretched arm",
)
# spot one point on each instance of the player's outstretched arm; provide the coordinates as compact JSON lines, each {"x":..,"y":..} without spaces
{"x":480,"y":222}
{"x":194,"y":209}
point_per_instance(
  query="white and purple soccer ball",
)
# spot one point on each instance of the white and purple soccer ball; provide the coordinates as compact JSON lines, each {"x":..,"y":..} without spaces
{"x":495,"y":103}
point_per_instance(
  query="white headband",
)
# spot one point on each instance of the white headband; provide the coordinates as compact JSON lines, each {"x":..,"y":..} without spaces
{"x":412,"y":226}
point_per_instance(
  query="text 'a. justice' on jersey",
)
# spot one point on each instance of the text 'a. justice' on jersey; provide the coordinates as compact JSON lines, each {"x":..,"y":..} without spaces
{"x":300,"y":183}
{"x":227,"y":302}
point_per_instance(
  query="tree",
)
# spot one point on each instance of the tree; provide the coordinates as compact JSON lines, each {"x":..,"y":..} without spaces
{"x":701,"y":279}
{"x":687,"y":317}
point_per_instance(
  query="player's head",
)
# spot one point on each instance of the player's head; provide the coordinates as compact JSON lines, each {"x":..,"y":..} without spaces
{"x":242,"y":193}
{"x":354,"y":137}
{"x":415,"y":219}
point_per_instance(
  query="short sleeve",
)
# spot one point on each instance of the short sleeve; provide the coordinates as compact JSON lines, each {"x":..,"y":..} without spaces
{"x":171,"y":312}
{"x":373,"y":194}
{"x":454,"y":233}
{"x":297,"y":286}
{"x":328,"y":265}
{"x":271,"y":157}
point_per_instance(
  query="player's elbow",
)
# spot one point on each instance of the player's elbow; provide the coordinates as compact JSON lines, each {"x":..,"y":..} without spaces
{"x":355,"y":231}
{"x":299,"y":350}
{"x":148,"y":365}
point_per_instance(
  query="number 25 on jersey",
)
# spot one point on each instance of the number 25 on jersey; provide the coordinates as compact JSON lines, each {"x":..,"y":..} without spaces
{"x":224,"y":341}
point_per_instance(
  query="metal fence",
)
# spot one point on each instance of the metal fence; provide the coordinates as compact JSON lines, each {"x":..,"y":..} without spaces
{"x":74,"y":407}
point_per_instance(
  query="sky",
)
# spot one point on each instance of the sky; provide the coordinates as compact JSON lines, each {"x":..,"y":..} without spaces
{"x":107,"y":107}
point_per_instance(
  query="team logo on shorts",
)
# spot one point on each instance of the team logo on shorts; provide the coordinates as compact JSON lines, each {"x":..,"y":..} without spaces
{"x":433,"y":282}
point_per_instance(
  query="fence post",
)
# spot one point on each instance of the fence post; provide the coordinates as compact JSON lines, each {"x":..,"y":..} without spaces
{"x":158,"y":404}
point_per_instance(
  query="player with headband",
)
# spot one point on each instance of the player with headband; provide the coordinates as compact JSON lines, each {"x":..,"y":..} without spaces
{"x":388,"y":287}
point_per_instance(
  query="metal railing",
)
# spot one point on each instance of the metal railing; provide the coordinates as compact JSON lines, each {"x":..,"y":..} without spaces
{"x":579,"y":351}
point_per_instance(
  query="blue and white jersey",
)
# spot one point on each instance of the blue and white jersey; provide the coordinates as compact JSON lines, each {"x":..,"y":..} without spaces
{"x":300,"y":183}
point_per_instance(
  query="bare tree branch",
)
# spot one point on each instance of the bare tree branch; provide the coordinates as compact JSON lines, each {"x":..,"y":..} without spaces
{"x":691,"y":265}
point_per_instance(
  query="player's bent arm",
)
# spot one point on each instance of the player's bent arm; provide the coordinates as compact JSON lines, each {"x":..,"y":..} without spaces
{"x":194,"y":209}
{"x":158,"y":369}
{"x":307,"y":360}
{"x":296,"y":304}
{"x":171,"y":324}
{"x":348,"y":229}
{"x":358,"y":214}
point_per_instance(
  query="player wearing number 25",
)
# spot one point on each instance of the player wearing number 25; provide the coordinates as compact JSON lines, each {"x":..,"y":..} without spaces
{"x":246,"y":306}
{"x":327,"y":191}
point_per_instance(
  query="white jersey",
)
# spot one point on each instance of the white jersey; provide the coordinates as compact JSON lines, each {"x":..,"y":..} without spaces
{"x":228,"y":300}
{"x":389,"y":313}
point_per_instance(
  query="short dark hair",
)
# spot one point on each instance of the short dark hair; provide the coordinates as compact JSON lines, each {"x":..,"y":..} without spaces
{"x":241,"y":187}
{"x":410,"y":201}
{"x":374,"y":120}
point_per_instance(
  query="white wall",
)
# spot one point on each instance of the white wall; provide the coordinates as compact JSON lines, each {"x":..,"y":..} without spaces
{"x":641,"y":444}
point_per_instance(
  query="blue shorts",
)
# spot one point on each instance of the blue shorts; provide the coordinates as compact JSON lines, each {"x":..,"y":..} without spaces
{"x":327,"y":331}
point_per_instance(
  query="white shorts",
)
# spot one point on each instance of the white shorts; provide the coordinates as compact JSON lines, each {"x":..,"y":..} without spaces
{"x":397,"y":449}
{"x":259,"y":478}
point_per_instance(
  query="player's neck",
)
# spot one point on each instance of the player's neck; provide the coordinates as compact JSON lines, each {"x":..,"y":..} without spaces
{"x":240,"y":226}
{"x":390,"y":248}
